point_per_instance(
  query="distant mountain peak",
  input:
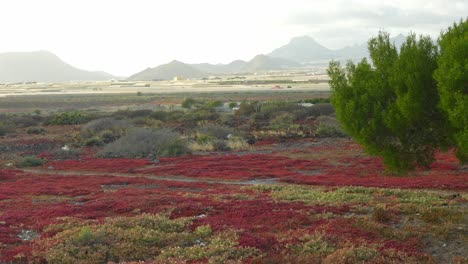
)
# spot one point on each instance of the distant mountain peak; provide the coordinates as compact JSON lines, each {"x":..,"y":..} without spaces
{"x":176,"y":62}
{"x":302,"y":39}
{"x":301,"y":49}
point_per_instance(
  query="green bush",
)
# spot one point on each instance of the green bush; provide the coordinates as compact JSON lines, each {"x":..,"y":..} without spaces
{"x":68,"y":118}
{"x":213,"y":104}
{"x":174,"y":149}
{"x":189,"y":103}
{"x":143,"y":142}
{"x":233,"y":104}
{"x":29,"y":161}
{"x":204,"y":139}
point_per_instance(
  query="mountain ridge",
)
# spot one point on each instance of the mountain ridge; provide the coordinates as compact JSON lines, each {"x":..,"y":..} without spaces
{"x":43,"y":66}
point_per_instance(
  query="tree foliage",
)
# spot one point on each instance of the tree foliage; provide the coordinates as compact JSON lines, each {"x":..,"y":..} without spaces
{"x":389,"y":105}
{"x":452,"y":80}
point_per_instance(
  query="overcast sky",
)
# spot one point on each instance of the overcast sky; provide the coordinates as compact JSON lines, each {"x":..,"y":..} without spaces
{"x":125,"y":36}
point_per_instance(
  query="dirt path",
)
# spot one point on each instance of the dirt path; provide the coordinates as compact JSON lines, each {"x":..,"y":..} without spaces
{"x":153,"y":177}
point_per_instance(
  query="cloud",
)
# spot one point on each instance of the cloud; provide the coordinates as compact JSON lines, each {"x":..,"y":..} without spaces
{"x":338,"y":23}
{"x":356,"y":13}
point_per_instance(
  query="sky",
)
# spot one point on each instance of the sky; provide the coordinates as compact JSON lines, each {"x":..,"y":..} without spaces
{"x":123,"y":37}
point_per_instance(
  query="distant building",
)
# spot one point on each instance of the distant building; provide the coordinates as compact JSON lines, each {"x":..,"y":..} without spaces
{"x":179,"y":78}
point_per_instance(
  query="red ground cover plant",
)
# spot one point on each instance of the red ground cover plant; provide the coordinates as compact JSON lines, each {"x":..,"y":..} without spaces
{"x":339,"y":171}
{"x":99,"y":165}
{"x":32,"y":204}
{"x":31,"y":201}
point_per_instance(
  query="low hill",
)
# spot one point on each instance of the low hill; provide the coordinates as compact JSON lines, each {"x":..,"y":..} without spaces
{"x":168,"y":71}
{"x":42,"y":66}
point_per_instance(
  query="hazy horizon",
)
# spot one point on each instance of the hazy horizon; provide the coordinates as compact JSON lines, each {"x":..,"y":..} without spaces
{"x":124,"y":37}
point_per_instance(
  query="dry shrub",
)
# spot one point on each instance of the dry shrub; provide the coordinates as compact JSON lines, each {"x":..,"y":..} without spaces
{"x":143,"y":142}
{"x":95,"y":127}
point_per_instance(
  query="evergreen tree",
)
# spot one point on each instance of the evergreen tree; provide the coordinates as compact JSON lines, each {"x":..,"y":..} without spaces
{"x":452,"y":80}
{"x":390,"y":106}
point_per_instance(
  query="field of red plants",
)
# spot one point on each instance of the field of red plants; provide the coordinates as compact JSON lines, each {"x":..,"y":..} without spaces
{"x":326,"y":202}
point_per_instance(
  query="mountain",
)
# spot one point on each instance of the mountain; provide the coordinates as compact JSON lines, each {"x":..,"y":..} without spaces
{"x":177,"y":68}
{"x":267,"y":63}
{"x":168,"y":71}
{"x":233,"y":67}
{"x":302,"y":49}
{"x":306,"y":50}
{"x":42,"y":66}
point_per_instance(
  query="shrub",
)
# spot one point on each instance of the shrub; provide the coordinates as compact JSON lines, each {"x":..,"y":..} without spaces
{"x":213,"y":104}
{"x":282,"y":121}
{"x":6,"y":128}
{"x":68,"y":118}
{"x":36,"y":130}
{"x":188,"y":103}
{"x":233,"y":104}
{"x":25,"y":120}
{"x":220,"y":145}
{"x":238,"y":143}
{"x":132,"y":113}
{"x":245,"y":109}
{"x":108,"y":125}
{"x":200,"y":115}
{"x":160,"y":115}
{"x":322,"y":109}
{"x":94,"y":142}
{"x":107,"y":136}
{"x":143,"y":142}
{"x":327,"y":126}
{"x":317,"y":100}
{"x":216,"y":131}
{"x":29,"y":161}
{"x":381,"y":215}
{"x":175,"y":116}
{"x":174,"y":148}
{"x":146,"y":122}
{"x":60,"y":154}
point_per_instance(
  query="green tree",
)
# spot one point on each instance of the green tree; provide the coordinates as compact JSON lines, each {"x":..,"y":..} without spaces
{"x":389,"y":106}
{"x":452,"y":80}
